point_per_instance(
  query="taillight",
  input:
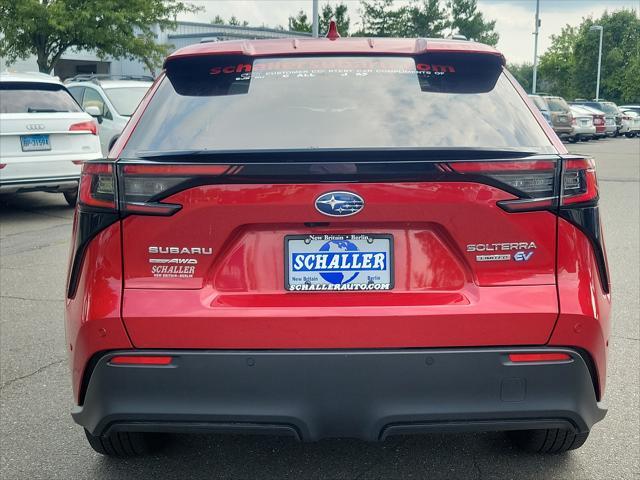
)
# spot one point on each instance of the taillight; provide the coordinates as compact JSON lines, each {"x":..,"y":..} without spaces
{"x":534,"y":182}
{"x":88,"y":126}
{"x":579,"y":182}
{"x":573,"y":121}
{"x":2,"y":165}
{"x":144,"y":186}
{"x":97,"y":186}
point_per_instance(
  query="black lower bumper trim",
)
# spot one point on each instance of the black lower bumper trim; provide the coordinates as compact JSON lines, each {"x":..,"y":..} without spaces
{"x":367,"y":394}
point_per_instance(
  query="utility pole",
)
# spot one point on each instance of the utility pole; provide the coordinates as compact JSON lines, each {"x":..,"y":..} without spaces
{"x":314,"y":23}
{"x":598,"y":27}
{"x":535,"y":48}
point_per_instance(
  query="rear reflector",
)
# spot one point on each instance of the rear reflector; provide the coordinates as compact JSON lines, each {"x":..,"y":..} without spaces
{"x":89,"y":126}
{"x":140,"y":360}
{"x":539,"y":357}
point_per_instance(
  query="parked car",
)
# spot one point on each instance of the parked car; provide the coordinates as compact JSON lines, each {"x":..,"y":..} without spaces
{"x":543,"y":107}
{"x":111,"y":98}
{"x":635,"y":108}
{"x":632,"y":120}
{"x":561,"y":117}
{"x":249,"y":259}
{"x":44,"y":136}
{"x":599,"y":120}
{"x":583,"y":126}
{"x":613,"y":118}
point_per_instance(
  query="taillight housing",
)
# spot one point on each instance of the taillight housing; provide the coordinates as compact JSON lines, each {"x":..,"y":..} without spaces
{"x":97,"y":186}
{"x":88,"y":126}
{"x":538,"y":184}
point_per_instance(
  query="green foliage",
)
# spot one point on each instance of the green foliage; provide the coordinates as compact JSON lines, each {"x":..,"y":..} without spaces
{"x":425,"y":18}
{"x":569,"y":66}
{"x":337,"y":13}
{"x":300,"y":23}
{"x":116,"y":28}
{"x":523,"y":72}
{"x":468,"y":21}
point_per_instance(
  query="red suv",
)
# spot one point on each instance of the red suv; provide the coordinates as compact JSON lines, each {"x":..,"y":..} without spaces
{"x":337,"y":238}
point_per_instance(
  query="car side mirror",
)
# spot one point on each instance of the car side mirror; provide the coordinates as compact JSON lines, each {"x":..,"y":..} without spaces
{"x":94,"y":112}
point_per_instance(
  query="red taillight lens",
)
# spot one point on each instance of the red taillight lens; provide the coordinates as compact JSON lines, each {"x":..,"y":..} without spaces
{"x":539,"y":357}
{"x":573,"y":121}
{"x":2,"y":165}
{"x":140,"y":360}
{"x":144,"y":185}
{"x":533,"y":181}
{"x":579,"y":182}
{"x":89,"y":126}
{"x":97,"y":186}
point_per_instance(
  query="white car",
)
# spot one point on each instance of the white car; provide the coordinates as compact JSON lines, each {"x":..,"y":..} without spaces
{"x":631,"y":120}
{"x":44,"y":136}
{"x":112,"y":99}
{"x":583,"y":127}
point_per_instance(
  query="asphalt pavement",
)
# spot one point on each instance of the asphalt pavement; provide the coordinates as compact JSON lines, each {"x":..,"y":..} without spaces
{"x":38,"y":439}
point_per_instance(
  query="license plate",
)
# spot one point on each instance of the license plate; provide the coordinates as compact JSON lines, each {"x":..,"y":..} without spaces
{"x":562,"y":118}
{"x":585,"y":123}
{"x":341,"y":263}
{"x":32,"y":143}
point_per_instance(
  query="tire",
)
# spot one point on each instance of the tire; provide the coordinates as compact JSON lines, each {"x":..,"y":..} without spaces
{"x":573,"y":139}
{"x":629,"y":135}
{"x":551,"y":440}
{"x":124,"y":444}
{"x":71,"y":196}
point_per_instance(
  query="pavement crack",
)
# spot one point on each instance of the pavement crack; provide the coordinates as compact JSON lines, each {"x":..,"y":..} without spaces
{"x":35,"y":372}
{"x":626,"y":338}
{"x":13,"y":297}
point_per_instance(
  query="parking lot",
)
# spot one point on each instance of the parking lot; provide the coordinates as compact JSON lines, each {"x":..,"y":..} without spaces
{"x":39,"y":440}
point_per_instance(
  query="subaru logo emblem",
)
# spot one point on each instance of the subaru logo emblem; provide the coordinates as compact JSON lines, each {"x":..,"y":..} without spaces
{"x":339,"y":204}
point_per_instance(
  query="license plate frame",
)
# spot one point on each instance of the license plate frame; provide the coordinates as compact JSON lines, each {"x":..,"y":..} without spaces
{"x":35,"y":146}
{"x":350,"y":285}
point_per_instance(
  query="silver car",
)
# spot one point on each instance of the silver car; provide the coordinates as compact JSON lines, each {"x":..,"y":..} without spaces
{"x":111,"y":99}
{"x":583,"y":126}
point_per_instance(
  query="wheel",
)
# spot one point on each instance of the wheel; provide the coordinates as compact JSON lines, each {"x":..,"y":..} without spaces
{"x":629,"y":135}
{"x":124,"y":444}
{"x":573,"y":139}
{"x":551,"y":440}
{"x":71,"y":196}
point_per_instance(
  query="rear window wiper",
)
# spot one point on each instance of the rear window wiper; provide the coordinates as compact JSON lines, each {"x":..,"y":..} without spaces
{"x":45,"y":110}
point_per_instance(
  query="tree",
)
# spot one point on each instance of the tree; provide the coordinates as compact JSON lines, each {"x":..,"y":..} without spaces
{"x":380,"y":19}
{"x":468,"y":21}
{"x":300,"y":23}
{"x":116,"y":28}
{"x":523,"y":72}
{"x":427,"y":19}
{"x":570,"y":64}
{"x":218,"y":20}
{"x":337,"y":13}
{"x":237,"y":23}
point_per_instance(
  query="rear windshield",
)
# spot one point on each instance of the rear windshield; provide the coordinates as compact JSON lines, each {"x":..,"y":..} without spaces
{"x":610,"y":107}
{"x":432,"y":101}
{"x":125,"y":99}
{"x":557,"y":104}
{"x":539,"y":101}
{"x":30,"y":97}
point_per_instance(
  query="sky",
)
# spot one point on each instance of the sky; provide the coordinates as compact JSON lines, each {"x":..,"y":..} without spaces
{"x":514,"y":19}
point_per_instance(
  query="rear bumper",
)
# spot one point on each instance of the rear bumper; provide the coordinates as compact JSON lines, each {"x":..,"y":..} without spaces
{"x":367,"y":394}
{"x":50,"y":184}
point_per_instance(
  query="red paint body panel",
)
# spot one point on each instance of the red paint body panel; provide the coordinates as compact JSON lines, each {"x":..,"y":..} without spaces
{"x":585,"y":309}
{"x":92,"y":317}
{"x":325,"y":46}
{"x":432,"y":224}
{"x":472,"y":316}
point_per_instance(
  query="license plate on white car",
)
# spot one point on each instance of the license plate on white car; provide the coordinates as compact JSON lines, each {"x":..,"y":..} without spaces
{"x":32,"y":143}
{"x":340,"y":263}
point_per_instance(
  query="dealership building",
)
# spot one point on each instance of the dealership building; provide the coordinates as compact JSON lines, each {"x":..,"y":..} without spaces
{"x":186,"y":33}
